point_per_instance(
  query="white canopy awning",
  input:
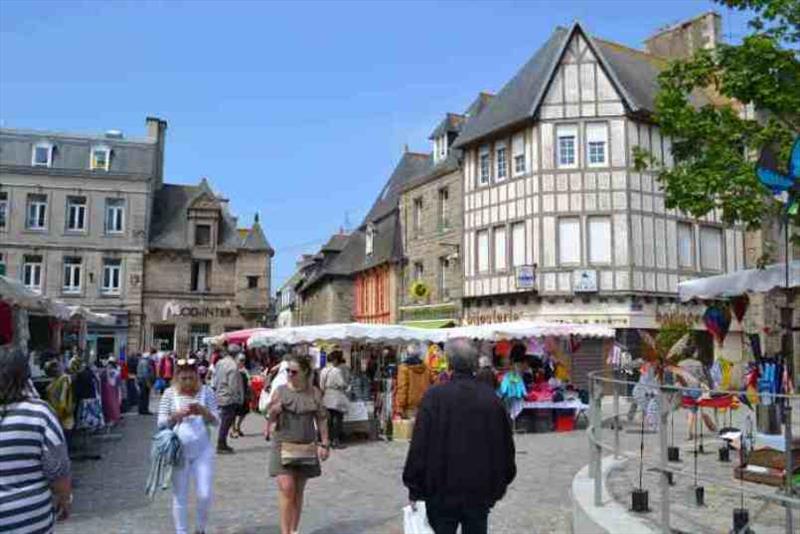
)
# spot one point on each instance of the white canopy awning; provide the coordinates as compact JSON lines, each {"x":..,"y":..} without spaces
{"x":381,"y":333}
{"x":740,"y":282}
{"x":15,"y":293}
{"x":102,"y":319}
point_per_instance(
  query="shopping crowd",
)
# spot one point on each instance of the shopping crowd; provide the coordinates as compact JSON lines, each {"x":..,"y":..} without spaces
{"x":202,"y":401}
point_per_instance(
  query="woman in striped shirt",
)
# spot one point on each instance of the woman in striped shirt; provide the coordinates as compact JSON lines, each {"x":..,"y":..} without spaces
{"x":188,"y":408}
{"x":35,"y":486}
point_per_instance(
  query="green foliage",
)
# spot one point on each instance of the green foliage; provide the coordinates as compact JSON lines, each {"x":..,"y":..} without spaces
{"x":715,"y":144}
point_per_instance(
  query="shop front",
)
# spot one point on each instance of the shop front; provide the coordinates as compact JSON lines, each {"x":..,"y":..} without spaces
{"x":181,"y":325}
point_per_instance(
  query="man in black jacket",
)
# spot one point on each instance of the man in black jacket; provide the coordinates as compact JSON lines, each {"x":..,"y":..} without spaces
{"x":461,"y":458}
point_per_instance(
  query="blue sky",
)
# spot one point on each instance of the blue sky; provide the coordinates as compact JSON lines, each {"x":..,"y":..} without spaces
{"x":298,"y":111}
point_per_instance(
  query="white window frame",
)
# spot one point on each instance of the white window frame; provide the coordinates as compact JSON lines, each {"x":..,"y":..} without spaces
{"x":92,"y":160}
{"x":596,"y":133}
{"x":517,"y":152}
{"x":596,"y":224}
{"x":482,"y":251}
{"x":444,"y":265}
{"x":47,"y":146}
{"x":501,"y":161}
{"x":564,"y":131}
{"x":500,"y":249}
{"x":572,"y":259}
{"x":417,"y":207}
{"x":444,"y":200}
{"x":484,"y":166}
{"x":369,"y":240}
{"x":442,"y":147}
{"x":78,"y":207}
{"x":518,"y":244}
{"x":4,"y":210}
{"x":111,"y":266}
{"x":33,"y":275}
{"x":116,"y":206}
{"x":41,"y":212}
{"x":73,"y":276}
{"x":718,"y":261}
{"x":686,"y":229}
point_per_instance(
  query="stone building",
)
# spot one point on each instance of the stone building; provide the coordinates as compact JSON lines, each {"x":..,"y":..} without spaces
{"x":324,"y":285}
{"x":203,"y":275}
{"x":75,"y":218}
{"x":550,"y":189}
{"x":431,"y":217}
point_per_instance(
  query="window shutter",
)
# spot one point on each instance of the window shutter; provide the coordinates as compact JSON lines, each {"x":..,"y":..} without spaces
{"x":569,"y":240}
{"x":600,"y":240}
{"x":596,"y":132}
{"x":518,"y":145}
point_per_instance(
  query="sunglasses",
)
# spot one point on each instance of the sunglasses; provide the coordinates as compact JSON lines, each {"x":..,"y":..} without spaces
{"x":186,"y":362}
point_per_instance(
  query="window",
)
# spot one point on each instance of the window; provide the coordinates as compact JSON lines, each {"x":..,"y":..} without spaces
{"x":370,"y":239}
{"x":2,"y":264}
{"x":500,"y":261}
{"x":111,"y":276}
{"x":101,"y":158}
{"x":599,"y":240}
{"x":72,"y":275}
{"x":3,"y":210}
{"x":444,"y":265}
{"x":711,"y":248}
{"x":202,"y":235}
{"x":685,"y":246}
{"x":444,"y":197}
{"x":164,"y":337}
{"x":37,"y":212}
{"x":483,"y":251}
{"x":567,"y":141}
{"x":484,"y":170}
{"x":517,"y":244}
{"x":596,"y":143}
{"x":32,"y":273}
{"x":518,"y":152}
{"x":42,"y":155}
{"x":197,"y":332}
{"x":76,"y":214}
{"x":201,"y":276}
{"x":115,"y":215}
{"x":569,"y":241}
{"x":252,"y":282}
{"x":440,"y":148}
{"x":417,"y":216}
{"x":502,"y":164}
{"x":419,"y":270}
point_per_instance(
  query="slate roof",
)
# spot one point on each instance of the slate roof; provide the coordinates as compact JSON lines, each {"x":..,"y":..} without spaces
{"x":410,"y":165}
{"x":634,"y":73}
{"x":446,"y":166}
{"x":336,"y":243}
{"x":169,"y":224}
{"x":451,"y":123}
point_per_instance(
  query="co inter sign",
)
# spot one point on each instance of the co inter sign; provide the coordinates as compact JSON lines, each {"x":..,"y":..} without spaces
{"x":174,"y":309}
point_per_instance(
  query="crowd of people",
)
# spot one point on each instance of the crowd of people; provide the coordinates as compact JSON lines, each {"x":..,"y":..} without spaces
{"x":303,"y":410}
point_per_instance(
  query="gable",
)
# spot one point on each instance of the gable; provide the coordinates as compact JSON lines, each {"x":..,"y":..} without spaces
{"x":580,"y":86}
{"x":205,"y":202}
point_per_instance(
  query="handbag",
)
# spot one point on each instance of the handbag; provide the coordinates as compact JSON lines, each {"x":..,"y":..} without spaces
{"x":416,"y":521}
{"x":298,"y":454}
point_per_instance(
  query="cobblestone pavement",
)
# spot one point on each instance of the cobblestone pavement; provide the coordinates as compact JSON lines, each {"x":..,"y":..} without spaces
{"x":360,"y":490}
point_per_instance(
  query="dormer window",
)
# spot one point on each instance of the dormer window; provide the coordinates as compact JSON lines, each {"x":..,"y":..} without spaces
{"x":101,"y":158}
{"x":370,"y":239}
{"x":42,"y":155}
{"x":440,"y":148}
{"x":202,"y":235}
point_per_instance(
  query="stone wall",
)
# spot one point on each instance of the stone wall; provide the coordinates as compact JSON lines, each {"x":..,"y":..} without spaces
{"x":430,"y":243}
{"x":331,"y":301}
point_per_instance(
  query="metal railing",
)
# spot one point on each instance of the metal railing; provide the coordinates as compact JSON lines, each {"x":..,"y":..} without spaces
{"x":668,"y":395}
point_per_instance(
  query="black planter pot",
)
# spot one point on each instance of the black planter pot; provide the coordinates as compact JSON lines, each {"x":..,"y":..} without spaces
{"x":724,"y":454}
{"x":674,"y":454}
{"x":640,"y":501}
{"x":741,"y":518}
{"x":700,"y":495}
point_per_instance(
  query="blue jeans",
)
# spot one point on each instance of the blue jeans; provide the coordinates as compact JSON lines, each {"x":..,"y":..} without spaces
{"x":473,"y":520}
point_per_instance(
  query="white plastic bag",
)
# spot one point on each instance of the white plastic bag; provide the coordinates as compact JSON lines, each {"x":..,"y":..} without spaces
{"x":263,"y":401}
{"x":416,"y":521}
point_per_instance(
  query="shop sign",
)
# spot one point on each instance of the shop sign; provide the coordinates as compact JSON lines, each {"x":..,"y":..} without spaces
{"x":175,"y":309}
{"x":525,"y":276}
{"x":489,"y":317}
{"x":584,"y":281}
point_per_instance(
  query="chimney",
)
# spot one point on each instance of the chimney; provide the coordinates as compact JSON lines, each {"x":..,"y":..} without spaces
{"x":157,"y":130}
{"x":682,"y":40}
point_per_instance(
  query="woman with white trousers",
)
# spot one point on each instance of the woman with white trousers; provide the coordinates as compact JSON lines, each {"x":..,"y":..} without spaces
{"x":188,"y":407}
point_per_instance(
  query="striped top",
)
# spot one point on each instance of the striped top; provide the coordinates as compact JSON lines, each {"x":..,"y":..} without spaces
{"x":171,"y":400}
{"x":33,"y":453}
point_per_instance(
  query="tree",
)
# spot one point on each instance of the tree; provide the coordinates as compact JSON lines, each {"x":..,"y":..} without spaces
{"x":701,"y":104}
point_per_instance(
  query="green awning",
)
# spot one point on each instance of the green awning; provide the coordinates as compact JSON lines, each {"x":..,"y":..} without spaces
{"x":433,"y":323}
